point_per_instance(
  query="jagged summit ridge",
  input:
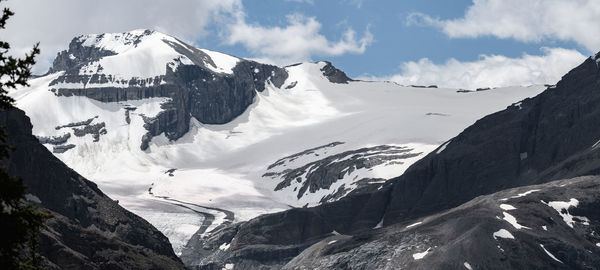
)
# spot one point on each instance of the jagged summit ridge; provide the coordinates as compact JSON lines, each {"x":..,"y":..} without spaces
{"x":118,"y":42}
{"x":138,"y":54}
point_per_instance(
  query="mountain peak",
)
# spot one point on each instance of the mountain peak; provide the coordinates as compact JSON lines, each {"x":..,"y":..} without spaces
{"x":119,"y":42}
{"x":137,"y":54}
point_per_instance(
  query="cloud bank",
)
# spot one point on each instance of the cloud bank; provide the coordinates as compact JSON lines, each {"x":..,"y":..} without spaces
{"x":299,"y":40}
{"x":527,"y":21}
{"x":488,"y":70}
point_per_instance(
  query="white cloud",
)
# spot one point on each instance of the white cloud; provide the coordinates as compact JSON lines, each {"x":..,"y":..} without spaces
{"x":299,"y":40}
{"x":489,"y":70}
{"x":528,"y":21}
{"x":55,"y":23}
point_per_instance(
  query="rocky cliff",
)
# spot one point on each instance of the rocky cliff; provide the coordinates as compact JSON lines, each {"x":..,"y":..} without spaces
{"x":88,"y":230}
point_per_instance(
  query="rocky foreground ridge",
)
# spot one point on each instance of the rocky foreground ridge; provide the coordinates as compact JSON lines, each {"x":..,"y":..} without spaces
{"x":88,"y":230}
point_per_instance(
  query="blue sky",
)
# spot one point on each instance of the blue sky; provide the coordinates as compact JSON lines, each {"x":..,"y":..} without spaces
{"x":459,"y":43}
{"x":394,"y":40}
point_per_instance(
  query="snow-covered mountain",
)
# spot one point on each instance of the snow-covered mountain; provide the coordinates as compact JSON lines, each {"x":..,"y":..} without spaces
{"x":191,"y":139}
{"x":518,"y":189}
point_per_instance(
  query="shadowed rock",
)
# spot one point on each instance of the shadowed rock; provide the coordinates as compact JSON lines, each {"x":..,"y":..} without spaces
{"x":88,"y":230}
{"x":55,"y":140}
{"x":334,"y":75}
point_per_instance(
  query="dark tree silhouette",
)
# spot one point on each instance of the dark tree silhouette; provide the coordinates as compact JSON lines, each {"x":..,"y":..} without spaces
{"x":19,"y":220}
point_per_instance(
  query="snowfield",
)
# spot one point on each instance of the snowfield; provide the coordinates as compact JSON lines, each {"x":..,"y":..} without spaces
{"x":222,"y":166}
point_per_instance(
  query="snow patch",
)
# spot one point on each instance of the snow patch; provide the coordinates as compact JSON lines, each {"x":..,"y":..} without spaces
{"x":550,"y":254}
{"x":468,"y":265}
{"x":545,"y":228}
{"x":563,"y":210}
{"x":224,"y":246}
{"x":507,"y":207}
{"x":379,"y":224}
{"x":331,"y":242}
{"x":443,"y":147}
{"x":502,"y":233}
{"x":521,"y":194}
{"x":421,"y":255}
{"x":513,"y":221}
{"x":518,"y":105}
{"x":596,"y":144}
{"x":224,"y":62}
{"x":228,"y":266}
{"x":414,"y":224}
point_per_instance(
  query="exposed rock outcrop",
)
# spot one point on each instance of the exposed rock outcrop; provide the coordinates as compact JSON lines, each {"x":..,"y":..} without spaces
{"x":55,"y":140}
{"x":322,"y":173}
{"x":333,"y":74}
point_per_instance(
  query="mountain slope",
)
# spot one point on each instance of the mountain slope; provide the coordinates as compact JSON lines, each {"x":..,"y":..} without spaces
{"x":88,"y":229}
{"x":547,"y":226}
{"x":191,"y":139}
{"x":540,"y":139}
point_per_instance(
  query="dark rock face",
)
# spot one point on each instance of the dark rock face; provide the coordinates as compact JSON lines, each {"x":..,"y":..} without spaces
{"x":78,"y":129}
{"x":88,"y":230}
{"x":469,"y":235}
{"x":204,"y":253}
{"x":544,"y":138}
{"x":77,"y":54}
{"x":55,"y":140}
{"x":194,"y":90}
{"x":270,"y":241}
{"x":77,"y":124}
{"x":334,"y":75}
{"x":548,"y":137}
{"x":95,"y":130}
{"x":62,"y":148}
{"x":323,"y":172}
